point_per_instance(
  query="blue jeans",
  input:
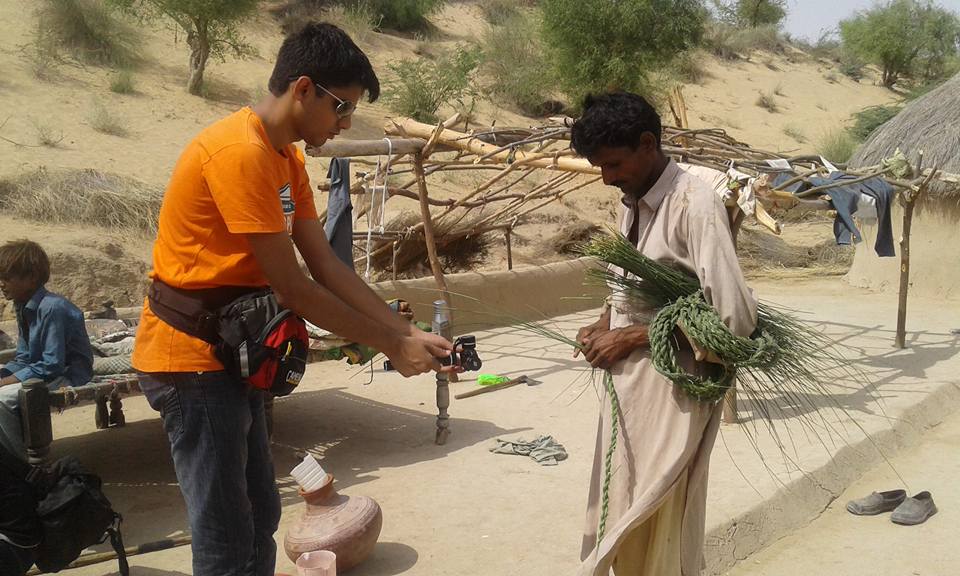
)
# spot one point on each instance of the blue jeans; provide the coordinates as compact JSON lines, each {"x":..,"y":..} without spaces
{"x":221,"y":452}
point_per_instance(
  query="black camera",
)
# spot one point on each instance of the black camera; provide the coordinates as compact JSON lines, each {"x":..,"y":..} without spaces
{"x":464,"y":355}
{"x":467,"y":357}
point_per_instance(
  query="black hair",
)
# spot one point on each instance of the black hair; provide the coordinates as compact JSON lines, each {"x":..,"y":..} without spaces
{"x":325,"y":54}
{"x":613,"y":120}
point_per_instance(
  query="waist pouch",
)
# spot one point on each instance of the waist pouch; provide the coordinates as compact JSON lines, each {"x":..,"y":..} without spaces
{"x":257,"y":340}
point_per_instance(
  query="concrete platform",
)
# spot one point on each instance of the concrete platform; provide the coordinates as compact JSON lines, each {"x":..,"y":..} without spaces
{"x":460,"y":510}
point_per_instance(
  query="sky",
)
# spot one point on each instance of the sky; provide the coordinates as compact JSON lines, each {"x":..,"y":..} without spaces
{"x":809,"y":18}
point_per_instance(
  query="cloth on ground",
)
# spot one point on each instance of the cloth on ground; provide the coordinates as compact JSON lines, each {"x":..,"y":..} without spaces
{"x":848,"y":200}
{"x":544,"y":449}
{"x":339,"y":225}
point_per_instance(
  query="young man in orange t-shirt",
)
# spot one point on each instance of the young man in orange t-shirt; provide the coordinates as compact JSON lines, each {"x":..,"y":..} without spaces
{"x":237,"y":204}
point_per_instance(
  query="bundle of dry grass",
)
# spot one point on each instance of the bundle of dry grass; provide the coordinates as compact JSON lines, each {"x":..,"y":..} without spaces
{"x":458,"y":248}
{"x":82,"y":197}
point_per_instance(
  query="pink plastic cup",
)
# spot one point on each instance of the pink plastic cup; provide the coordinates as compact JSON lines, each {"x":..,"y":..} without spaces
{"x":319,"y":563}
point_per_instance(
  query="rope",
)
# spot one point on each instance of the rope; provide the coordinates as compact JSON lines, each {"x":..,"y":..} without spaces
{"x":611,"y":449}
{"x":383,"y":169}
{"x":703,"y":324}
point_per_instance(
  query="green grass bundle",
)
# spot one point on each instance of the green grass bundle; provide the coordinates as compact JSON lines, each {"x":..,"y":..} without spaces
{"x":784,"y":356}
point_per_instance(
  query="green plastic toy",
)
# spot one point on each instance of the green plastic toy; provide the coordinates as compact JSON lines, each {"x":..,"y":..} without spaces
{"x":491,"y":379}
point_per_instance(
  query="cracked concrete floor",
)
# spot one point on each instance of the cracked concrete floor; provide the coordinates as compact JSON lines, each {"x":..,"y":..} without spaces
{"x":841,"y":544}
{"x":460,"y":510}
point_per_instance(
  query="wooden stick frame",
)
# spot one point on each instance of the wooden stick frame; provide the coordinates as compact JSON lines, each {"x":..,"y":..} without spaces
{"x":518,"y":153}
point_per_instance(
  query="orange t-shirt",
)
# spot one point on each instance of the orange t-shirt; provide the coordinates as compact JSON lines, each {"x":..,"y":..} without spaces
{"x":229,"y":182}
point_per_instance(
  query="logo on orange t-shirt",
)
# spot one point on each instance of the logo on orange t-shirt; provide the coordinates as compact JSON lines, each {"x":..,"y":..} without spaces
{"x":289,"y":206}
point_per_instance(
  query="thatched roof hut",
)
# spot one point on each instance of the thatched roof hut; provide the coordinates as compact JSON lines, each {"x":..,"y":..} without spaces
{"x":930,"y":123}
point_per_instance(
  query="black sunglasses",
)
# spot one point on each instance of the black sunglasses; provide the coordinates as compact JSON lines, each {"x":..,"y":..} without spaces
{"x":344,"y":108}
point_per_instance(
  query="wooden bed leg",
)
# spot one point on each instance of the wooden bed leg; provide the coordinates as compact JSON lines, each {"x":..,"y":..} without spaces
{"x":117,"y":417}
{"x":101,"y":415}
{"x":35,"y":416}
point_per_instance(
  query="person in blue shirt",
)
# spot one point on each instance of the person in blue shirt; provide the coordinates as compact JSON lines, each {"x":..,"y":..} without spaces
{"x":52,"y":343}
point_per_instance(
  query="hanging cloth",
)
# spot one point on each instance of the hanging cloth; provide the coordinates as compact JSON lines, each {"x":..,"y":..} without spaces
{"x":339,"y":225}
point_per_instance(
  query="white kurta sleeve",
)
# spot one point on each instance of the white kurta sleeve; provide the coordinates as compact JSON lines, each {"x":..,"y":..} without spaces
{"x":715,"y":259}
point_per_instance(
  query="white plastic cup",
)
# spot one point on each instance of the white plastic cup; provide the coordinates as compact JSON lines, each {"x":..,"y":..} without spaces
{"x":319,"y":563}
{"x":308,"y":474}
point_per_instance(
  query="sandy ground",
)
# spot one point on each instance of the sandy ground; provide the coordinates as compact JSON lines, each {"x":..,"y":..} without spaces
{"x":842,"y":544}
{"x":812,"y":97}
{"x":458,"y":509}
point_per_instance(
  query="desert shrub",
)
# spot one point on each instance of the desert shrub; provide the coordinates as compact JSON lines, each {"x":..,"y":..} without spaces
{"x":404,"y":14}
{"x":691,"y":67}
{"x":89,"y":31}
{"x":869,"y":119}
{"x":598,"y":45}
{"x":421,"y":86}
{"x":123,"y":82}
{"x":103,"y":120}
{"x":730,"y":42}
{"x":768,"y":102}
{"x":515,"y":65}
{"x":499,"y":12}
{"x":358,"y":19}
{"x":795,"y":132}
{"x":837,"y":145}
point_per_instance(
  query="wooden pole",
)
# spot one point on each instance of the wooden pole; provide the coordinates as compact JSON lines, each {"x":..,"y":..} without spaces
{"x":509,"y":249}
{"x":428,"y":231}
{"x":351,"y":148}
{"x":907,"y":203}
{"x":431,"y":240}
{"x":408,"y":127}
{"x":907,"y":200}
{"x":393,"y":267}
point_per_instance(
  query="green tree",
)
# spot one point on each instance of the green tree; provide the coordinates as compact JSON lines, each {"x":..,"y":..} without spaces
{"x":754,"y":13}
{"x":751,"y":13}
{"x":601,"y":45}
{"x":904,"y":37}
{"x":211,"y":27}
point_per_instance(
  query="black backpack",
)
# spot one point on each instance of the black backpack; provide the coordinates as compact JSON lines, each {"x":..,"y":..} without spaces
{"x":20,"y":531}
{"x":71,"y":510}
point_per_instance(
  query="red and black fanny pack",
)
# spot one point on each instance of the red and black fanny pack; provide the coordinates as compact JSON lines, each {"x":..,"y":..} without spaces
{"x":257,"y":340}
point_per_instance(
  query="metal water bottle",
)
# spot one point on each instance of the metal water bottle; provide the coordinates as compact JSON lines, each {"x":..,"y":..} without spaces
{"x":441,"y":319}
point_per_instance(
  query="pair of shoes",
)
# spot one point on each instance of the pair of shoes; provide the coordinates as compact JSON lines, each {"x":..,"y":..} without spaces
{"x":906,"y":511}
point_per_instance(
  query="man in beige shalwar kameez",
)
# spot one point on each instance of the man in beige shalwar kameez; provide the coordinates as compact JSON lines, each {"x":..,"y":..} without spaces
{"x":658,"y":489}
